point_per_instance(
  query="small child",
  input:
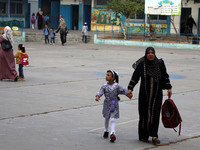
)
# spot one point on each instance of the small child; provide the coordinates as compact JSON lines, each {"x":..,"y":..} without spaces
{"x":52,"y":34}
{"x":21,"y":50}
{"x":85,"y":32}
{"x":33,"y":21}
{"x":46,"y":34}
{"x":111,"y":90}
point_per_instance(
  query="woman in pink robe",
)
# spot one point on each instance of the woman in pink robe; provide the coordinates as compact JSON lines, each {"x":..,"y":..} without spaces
{"x":7,"y":61}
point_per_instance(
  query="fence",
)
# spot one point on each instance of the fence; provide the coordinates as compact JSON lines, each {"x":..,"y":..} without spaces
{"x":144,"y":34}
{"x":13,"y":23}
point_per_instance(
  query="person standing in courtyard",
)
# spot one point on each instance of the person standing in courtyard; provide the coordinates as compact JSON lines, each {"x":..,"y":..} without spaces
{"x":46,"y":34}
{"x":61,"y":20}
{"x":154,"y":79}
{"x":18,"y":55}
{"x":85,"y":32}
{"x":7,"y":61}
{"x":52,"y":36}
{"x":110,"y":90}
{"x":46,"y":19}
{"x":63,"y":32}
{"x":33,"y":19}
{"x":39,"y":18}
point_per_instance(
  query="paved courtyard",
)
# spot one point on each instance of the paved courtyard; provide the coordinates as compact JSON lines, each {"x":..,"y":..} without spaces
{"x":55,"y":108}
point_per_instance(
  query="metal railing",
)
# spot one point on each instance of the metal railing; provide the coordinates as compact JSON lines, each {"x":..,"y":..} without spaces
{"x":143,"y":34}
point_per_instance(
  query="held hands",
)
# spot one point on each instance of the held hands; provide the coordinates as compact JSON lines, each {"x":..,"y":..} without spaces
{"x":97,"y":98}
{"x":129,"y":94}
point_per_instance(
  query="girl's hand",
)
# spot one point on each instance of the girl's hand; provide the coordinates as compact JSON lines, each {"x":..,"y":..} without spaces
{"x":169,"y":93}
{"x":97,"y":98}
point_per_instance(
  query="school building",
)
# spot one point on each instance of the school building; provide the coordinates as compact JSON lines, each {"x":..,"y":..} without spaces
{"x":76,"y":12}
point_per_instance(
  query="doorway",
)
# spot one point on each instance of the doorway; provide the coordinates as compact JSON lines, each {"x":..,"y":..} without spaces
{"x":87,"y":15}
{"x":75,"y":17}
{"x":52,"y":9}
{"x":185,"y":12}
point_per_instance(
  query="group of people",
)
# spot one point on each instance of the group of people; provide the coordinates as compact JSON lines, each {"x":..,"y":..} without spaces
{"x":7,"y":59}
{"x":49,"y":31}
{"x":154,"y":79}
{"x":40,"y":19}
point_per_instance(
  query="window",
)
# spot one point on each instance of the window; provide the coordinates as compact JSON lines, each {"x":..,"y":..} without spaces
{"x":17,"y":7}
{"x":2,"y":8}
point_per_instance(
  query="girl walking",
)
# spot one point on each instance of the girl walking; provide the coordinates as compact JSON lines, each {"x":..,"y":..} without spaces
{"x":110,"y":90}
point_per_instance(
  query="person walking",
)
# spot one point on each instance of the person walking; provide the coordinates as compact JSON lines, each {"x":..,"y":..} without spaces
{"x":189,"y":23}
{"x":33,"y":19}
{"x":63,"y":32}
{"x":85,"y":32}
{"x":110,"y":90}
{"x":7,"y":61}
{"x":154,"y":79}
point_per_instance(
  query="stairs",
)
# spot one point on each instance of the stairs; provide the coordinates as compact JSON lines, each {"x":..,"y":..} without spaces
{"x":72,"y":38}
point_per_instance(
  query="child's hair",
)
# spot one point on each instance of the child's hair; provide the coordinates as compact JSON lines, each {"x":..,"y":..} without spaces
{"x":116,"y":78}
{"x":22,"y":48}
{"x":33,"y":14}
{"x":115,"y":75}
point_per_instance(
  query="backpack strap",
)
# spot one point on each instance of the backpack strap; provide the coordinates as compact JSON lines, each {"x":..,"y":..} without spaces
{"x":179,"y":133}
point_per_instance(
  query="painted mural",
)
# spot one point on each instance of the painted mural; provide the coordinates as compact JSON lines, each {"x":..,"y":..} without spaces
{"x":103,"y":20}
{"x":141,"y":28}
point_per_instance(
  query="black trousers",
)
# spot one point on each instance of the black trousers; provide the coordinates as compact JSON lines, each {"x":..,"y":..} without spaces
{"x":84,"y":39}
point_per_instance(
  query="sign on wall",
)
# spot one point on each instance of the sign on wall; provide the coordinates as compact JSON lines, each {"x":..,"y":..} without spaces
{"x":163,"y":7}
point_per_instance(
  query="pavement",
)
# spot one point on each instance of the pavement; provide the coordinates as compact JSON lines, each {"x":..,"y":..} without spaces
{"x":55,"y":108}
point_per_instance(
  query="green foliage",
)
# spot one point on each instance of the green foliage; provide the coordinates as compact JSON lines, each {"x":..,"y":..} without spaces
{"x":127,"y":7}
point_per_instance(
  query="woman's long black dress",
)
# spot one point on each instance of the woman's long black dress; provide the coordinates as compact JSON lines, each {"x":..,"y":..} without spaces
{"x":150,"y":98}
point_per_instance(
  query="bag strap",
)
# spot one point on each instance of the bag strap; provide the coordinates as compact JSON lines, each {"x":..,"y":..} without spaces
{"x":7,"y":38}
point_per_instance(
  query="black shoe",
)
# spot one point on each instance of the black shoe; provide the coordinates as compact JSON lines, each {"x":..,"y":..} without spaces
{"x":156,"y":141}
{"x":144,"y":140}
{"x":16,"y":79}
{"x":105,"y":135}
{"x":112,"y":138}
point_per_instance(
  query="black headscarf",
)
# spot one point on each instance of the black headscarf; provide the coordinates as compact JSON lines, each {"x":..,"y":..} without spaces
{"x":152,"y":67}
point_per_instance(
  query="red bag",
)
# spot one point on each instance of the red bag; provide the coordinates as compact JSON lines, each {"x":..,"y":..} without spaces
{"x":170,"y":115}
{"x":24,"y":59}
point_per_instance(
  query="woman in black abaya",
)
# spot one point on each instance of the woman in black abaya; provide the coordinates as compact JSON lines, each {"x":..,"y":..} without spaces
{"x":154,"y":79}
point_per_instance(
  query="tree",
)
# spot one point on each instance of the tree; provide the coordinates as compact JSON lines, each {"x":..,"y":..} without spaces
{"x":126,"y":7}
